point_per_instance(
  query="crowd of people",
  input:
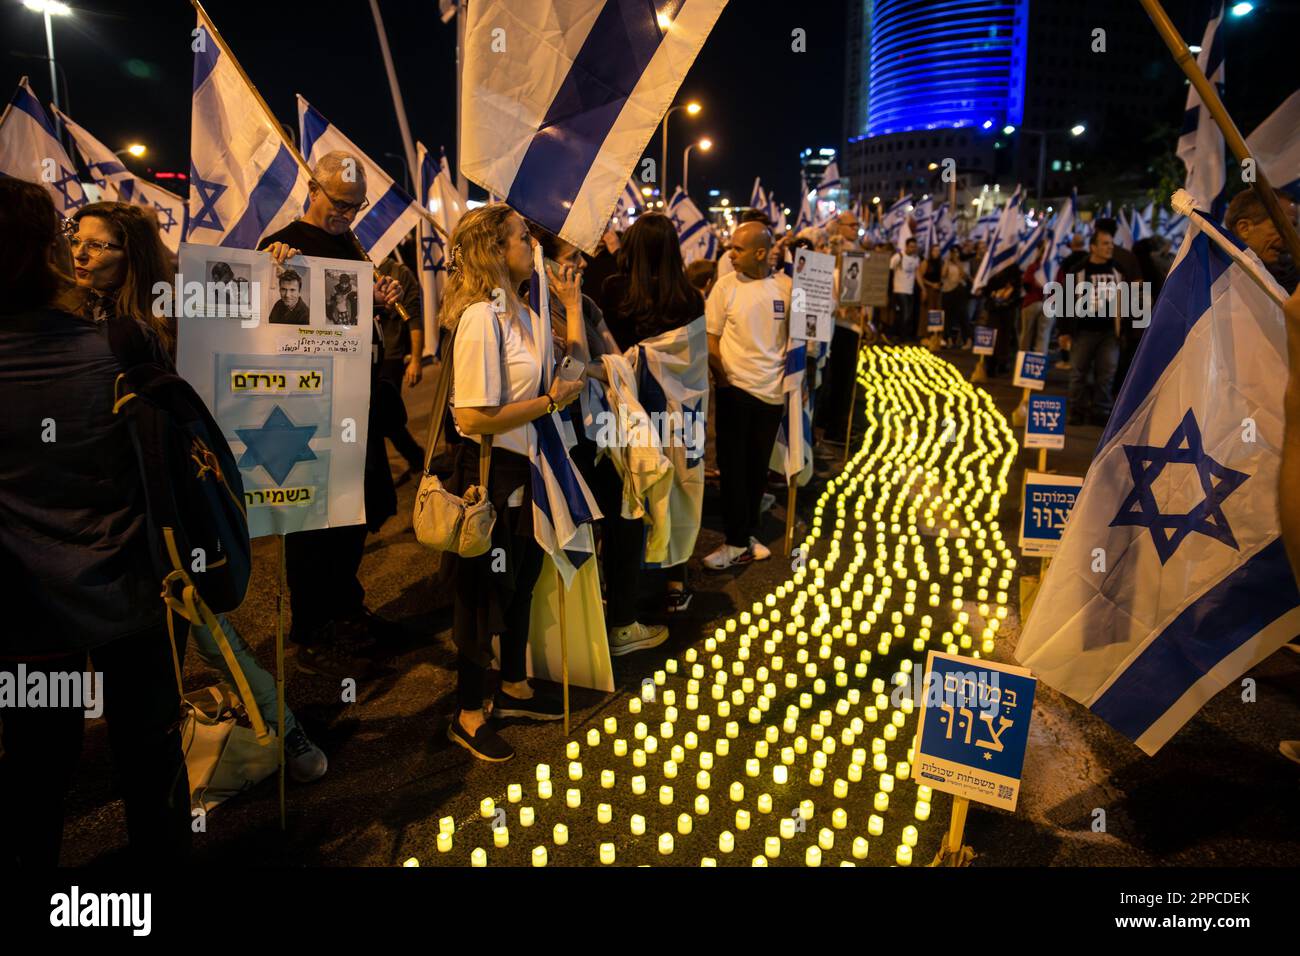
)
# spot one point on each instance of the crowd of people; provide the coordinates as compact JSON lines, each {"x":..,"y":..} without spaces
{"x":78,"y":577}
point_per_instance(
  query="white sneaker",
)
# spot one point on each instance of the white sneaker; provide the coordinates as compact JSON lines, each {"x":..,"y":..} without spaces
{"x":765,"y":503}
{"x":760,"y":551}
{"x":727,"y":556}
{"x":1290,"y":749}
{"x":635,"y":637}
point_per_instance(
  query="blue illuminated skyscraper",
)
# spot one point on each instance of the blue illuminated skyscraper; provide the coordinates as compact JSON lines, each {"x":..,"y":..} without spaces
{"x":945,"y":64}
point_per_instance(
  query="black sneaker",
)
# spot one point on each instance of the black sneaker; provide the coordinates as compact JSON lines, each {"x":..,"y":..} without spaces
{"x":486,"y":744}
{"x":538,"y":707}
{"x":325,"y":661}
{"x":678,"y":600}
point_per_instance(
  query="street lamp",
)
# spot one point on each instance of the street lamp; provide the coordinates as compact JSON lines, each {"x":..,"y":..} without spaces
{"x":705,"y":145}
{"x":692,"y":109}
{"x":135,"y":149}
{"x":1078,"y":129}
{"x":50,"y":8}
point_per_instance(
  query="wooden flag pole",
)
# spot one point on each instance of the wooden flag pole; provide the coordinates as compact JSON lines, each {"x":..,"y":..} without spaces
{"x":853,"y":388}
{"x":279,"y":669}
{"x":564,"y":647}
{"x":791,"y":494}
{"x":1231,"y":135}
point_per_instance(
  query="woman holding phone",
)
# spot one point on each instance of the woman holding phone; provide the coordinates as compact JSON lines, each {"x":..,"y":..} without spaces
{"x":497,"y":359}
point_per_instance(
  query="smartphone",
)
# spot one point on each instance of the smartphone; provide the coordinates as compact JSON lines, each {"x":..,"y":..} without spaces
{"x":569,"y":370}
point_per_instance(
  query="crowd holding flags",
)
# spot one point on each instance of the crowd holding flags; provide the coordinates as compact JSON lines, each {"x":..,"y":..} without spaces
{"x":30,"y":149}
{"x":1058,"y":245}
{"x":446,"y":205}
{"x":1002,"y":248}
{"x":697,"y":238}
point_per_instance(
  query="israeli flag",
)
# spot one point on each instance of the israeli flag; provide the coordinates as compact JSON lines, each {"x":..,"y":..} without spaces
{"x":804,"y":219}
{"x":945,"y":231}
{"x":629,"y":204}
{"x":563,"y":505}
{"x":1058,"y":247}
{"x":792,"y":454}
{"x":118,"y":184}
{"x":1275,"y":144}
{"x":672,"y":376}
{"x":30,"y":150}
{"x":758,"y":197}
{"x":776,"y":216}
{"x":985,"y":226}
{"x":1200,"y":146}
{"x":246,"y":179}
{"x":446,"y":205}
{"x":1030,"y":240}
{"x":830,"y":177}
{"x":1123,"y":230}
{"x":1140,"y":223}
{"x":923,"y":215}
{"x":693,"y":230}
{"x":1171,"y":580}
{"x":895,"y":218}
{"x":560,"y":97}
{"x":1002,"y":248}
{"x":391,"y":213}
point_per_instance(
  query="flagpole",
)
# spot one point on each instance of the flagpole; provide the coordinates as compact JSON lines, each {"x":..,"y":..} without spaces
{"x":398,"y":106}
{"x":1236,"y":142}
{"x":461,"y":15}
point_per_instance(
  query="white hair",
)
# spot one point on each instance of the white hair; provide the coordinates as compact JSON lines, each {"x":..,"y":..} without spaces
{"x":339,"y":164}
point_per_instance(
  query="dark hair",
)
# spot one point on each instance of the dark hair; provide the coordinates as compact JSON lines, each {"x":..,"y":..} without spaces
{"x":1248,"y":205}
{"x":146,"y":263}
{"x":29,"y":227}
{"x":291,"y":275}
{"x":548,"y":240}
{"x":1097,"y":234}
{"x":702,"y":273}
{"x":1105,"y":224}
{"x":755,"y":215}
{"x":657,"y":288}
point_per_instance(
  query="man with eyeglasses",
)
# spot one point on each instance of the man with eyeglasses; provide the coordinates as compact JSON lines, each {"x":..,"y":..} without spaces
{"x":331,"y":625}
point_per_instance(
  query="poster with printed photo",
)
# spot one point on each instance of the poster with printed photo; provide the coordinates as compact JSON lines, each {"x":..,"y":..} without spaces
{"x":812,"y":296}
{"x":851,"y":269}
{"x":291,"y":393}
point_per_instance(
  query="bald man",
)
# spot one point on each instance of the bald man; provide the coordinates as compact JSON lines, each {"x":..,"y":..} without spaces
{"x":747,"y":315}
{"x":330,"y":619}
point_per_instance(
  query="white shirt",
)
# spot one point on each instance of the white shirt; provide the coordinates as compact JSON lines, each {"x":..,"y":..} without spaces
{"x":487,"y":346}
{"x":752,"y":317}
{"x":904,"y":267}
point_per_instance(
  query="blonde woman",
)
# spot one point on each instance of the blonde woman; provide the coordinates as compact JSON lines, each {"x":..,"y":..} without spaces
{"x":497,"y":355}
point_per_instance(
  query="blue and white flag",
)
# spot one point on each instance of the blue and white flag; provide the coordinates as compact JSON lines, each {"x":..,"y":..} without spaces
{"x":1275,"y":144}
{"x":1140,"y":223}
{"x":672,"y":375}
{"x":792,"y":454}
{"x":1123,"y":229}
{"x":246,"y":179}
{"x":830,"y":178}
{"x":923,"y":215}
{"x":446,"y":205}
{"x":560,"y":97}
{"x":391,"y":213}
{"x":563,"y":505}
{"x":1171,"y":580}
{"x":945,"y":230}
{"x":1058,"y":246}
{"x":895,"y":218}
{"x":693,"y":230}
{"x":1200,"y":146}
{"x":758,"y":197}
{"x":804,"y":219}
{"x":629,"y":205}
{"x":30,"y":150}
{"x":985,"y":226}
{"x":1002,"y":248}
{"x":118,"y":184}
{"x":776,"y":216}
{"x":1027,"y":248}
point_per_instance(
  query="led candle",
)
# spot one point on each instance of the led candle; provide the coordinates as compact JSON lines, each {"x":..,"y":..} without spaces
{"x":887,"y":782}
{"x":607,"y":779}
{"x":787,"y":828}
{"x":651,"y":745}
{"x":478,"y":857}
{"x":722,"y":746}
{"x":665,"y":843}
{"x":684,"y":823}
{"x":560,"y":834}
{"x":742,"y":819}
{"x":543,"y":772}
{"x":666,"y":729}
{"x":638,"y":785}
{"x":447,"y":825}
{"x":691,"y":740}
{"x":501,"y":837}
{"x":412,"y":861}
{"x":922,"y":810}
{"x":706,"y":760}
{"x":670,"y":769}
{"x":826,"y":838}
{"x":638,"y":758}
{"x":760,"y":861}
{"x":593,"y":737}
{"x":859,"y":848}
{"x":539,"y":856}
{"x":764,"y":803}
{"x":812,"y":856}
{"x":573,"y":798}
{"x":880,"y":762}
{"x":487,"y":807}
{"x":444,"y":842}
{"x":639,"y":731}
{"x":611,"y":725}
{"x":604,"y":813}
{"x":726,"y":842}
{"x":701,"y":804}
{"x":875,"y":824}
{"x":607,"y":853}
{"x":634,"y":705}
{"x":881,"y":802}
{"x":737,"y":791}
{"x":903,"y":855}
{"x":637,"y":824}
{"x":772,"y":847}
{"x":839,"y":818}
{"x":702,"y":780}
{"x":787,"y":755}
{"x":665,"y":795}
{"x":909,"y":835}
{"x":816,"y":776}
{"x":733,"y":730}
{"x":526,"y":816}
{"x":575,"y":770}
{"x":760,"y":749}
{"x":572,"y":749}
{"x":779,"y":774}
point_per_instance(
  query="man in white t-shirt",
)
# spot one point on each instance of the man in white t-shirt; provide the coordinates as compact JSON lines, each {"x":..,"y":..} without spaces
{"x":747,"y":315}
{"x":903,"y":266}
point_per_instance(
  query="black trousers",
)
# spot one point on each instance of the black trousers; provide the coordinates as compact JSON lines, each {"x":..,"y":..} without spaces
{"x":321,"y":570}
{"x":746,"y":432}
{"x":833,"y":405}
{"x":471,"y":676}
{"x":42,"y":746}
{"x":393,"y":418}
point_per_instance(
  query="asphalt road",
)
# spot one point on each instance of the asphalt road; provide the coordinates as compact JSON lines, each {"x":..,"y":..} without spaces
{"x":1218,"y":794}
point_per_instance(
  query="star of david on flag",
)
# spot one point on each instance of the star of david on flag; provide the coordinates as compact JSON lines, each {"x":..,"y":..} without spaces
{"x":1171,"y":580}
{"x":30,"y":150}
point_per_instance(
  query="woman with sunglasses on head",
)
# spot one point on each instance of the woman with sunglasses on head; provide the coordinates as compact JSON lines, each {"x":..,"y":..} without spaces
{"x":499,"y":361}
{"x":118,"y":258}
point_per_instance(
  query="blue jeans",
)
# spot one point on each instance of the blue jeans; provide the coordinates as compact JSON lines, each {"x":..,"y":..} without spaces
{"x":1096,"y":350}
{"x":260,"y":682}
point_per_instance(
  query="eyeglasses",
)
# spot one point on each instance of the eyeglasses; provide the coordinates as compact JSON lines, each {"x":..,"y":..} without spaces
{"x":342,"y":207}
{"x":94,"y":247}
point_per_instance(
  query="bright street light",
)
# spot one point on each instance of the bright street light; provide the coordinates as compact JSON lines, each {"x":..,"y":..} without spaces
{"x":1078,"y":129}
{"x":692,"y":108}
{"x":1008,"y":130}
{"x":52,"y":7}
{"x":1241,"y":9}
{"x":137,"y":149}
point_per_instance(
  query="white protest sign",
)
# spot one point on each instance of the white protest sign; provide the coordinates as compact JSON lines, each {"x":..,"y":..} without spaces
{"x":812,"y":296}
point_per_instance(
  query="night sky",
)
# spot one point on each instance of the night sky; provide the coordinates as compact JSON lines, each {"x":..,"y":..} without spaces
{"x":130,"y":74}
